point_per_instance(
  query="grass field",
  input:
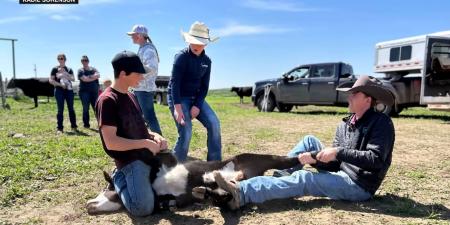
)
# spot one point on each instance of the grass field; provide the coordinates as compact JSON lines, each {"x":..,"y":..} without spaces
{"x":47,"y":178}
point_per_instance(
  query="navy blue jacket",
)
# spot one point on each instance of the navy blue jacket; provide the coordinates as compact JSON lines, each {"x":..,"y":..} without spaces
{"x":190,"y":77}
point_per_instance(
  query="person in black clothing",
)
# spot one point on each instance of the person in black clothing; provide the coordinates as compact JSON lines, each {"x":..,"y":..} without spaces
{"x":352,"y":169}
{"x":188,"y":88}
{"x":62,"y":77}
{"x":89,"y":86}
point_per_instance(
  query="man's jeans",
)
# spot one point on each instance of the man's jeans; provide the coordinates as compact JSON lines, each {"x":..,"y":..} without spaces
{"x":132,"y":183}
{"x":145,"y":100}
{"x":209,"y":120}
{"x":88,"y":97}
{"x":334,"y":185}
{"x":60,"y":96}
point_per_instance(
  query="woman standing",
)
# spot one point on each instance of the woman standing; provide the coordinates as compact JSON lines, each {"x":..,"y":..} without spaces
{"x":188,"y":88}
{"x":61,"y":77}
{"x":89,"y":86}
{"x":145,"y":91}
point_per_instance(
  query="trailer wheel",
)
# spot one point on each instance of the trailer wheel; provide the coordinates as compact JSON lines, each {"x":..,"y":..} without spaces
{"x":159,"y":98}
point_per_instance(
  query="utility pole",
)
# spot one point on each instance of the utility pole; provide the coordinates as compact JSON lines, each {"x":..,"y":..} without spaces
{"x":13,"y":60}
{"x":35,"y":71}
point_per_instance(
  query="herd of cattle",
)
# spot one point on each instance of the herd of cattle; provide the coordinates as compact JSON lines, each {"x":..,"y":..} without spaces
{"x":34,"y":87}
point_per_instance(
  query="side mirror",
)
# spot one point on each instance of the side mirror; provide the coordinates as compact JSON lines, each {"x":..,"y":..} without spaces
{"x":345,"y":75}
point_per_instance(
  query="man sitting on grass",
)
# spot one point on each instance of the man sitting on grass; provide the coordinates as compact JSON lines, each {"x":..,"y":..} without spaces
{"x":352,"y":169}
{"x":125,"y":137}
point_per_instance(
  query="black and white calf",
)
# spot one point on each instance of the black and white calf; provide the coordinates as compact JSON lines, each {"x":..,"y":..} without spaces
{"x":194,"y":181}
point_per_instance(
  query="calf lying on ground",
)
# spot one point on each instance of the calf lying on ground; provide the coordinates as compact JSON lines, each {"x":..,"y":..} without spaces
{"x":242,"y":91}
{"x":194,"y":181}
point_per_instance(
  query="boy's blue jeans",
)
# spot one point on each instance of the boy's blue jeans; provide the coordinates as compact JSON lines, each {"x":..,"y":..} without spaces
{"x":209,"y":120}
{"x":334,"y":185}
{"x":132,"y":183}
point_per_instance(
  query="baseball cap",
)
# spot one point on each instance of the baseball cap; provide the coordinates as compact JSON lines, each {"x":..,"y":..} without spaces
{"x":138,"y":29}
{"x":127,"y":61}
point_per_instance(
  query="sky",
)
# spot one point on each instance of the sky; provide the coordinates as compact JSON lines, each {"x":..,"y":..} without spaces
{"x":259,"y":39}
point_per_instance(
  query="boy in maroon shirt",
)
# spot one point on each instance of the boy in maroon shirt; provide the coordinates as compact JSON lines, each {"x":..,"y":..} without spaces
{"x":125,"y":137}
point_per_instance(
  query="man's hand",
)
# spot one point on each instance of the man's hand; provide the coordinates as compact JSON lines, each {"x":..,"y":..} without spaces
{"x":194,"y":112}
{"x":161,"y":141}
{"x":327,"y":155}
{"x":178,"y":114}
{"x":152,"y":146}
{"x":305,"y":158}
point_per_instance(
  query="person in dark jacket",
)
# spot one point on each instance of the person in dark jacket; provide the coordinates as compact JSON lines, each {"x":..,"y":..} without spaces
{"x":352,"y":169}
{"x":187,"y":91}
{"x":89,"y":87}
{"x":62,"y":77}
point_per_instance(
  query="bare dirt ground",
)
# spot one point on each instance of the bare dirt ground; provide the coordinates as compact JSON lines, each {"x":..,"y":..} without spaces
{"x":415,"y":191}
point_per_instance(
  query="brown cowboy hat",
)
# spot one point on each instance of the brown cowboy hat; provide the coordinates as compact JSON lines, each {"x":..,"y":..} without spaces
{"x":370,"y":86}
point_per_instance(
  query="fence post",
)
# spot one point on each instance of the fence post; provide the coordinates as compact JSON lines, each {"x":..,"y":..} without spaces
{"x":2,"y":92}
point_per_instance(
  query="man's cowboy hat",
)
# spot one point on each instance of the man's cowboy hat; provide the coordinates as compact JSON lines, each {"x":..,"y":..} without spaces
{"x":370,"y":86}
{"x":198,"y":34}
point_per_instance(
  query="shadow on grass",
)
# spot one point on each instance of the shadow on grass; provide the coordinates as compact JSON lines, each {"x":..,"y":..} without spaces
{"x":320,"y":112}
{"x":77,"y":133}
{"x":172,"y":218}
{"x":389,"y":204}
{"x":445,"y":118}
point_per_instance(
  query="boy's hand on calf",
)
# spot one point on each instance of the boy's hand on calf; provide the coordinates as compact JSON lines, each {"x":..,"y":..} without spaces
{"x":161,"y":141}
{"x":152,"y":146}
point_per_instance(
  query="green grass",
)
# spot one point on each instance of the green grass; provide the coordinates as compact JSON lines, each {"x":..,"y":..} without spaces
{"x":41,"y":161}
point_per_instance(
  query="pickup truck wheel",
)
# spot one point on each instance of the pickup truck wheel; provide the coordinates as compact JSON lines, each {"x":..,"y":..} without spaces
{"x":388,"y":110}
{"x":284,"y":107}
{"x":159,"y":98}
{"x":270,"y":103}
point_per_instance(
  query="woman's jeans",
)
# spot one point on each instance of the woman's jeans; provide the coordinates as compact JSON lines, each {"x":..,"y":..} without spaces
{"x":145,"y":100}
{"x":334,"y":185}
{"x":88,"y":98}
{"x":208,"y":118}
{"x":62,"y":95}
{"x":132,"y":183}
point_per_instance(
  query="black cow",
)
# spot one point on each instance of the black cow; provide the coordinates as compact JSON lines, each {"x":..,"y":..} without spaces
{"x":242,"y":91}
{"x":33,"y":87}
